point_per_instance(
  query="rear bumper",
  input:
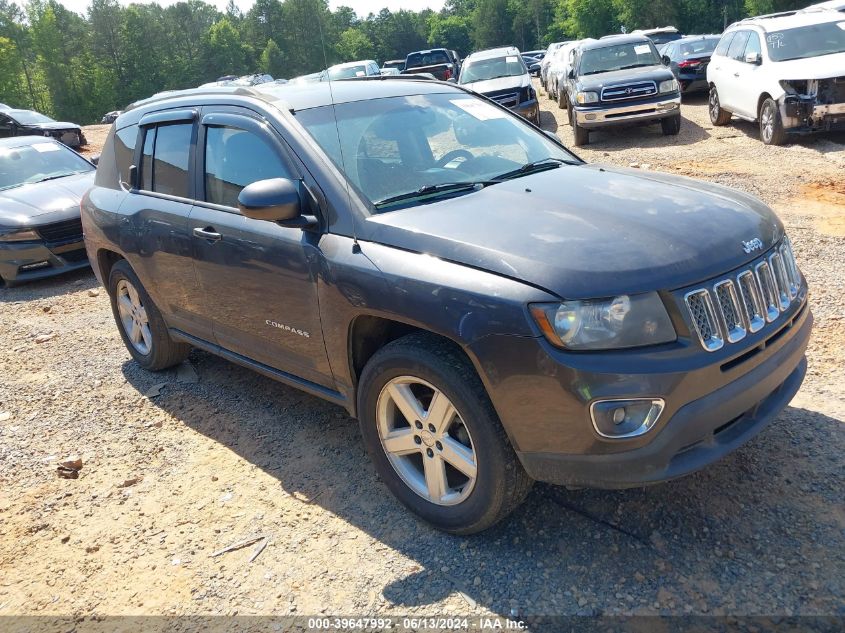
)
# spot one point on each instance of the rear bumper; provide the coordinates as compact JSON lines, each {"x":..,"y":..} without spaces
{"x":698,"y":434}
{"x":28,"y":261}
{"x":595,"y":117}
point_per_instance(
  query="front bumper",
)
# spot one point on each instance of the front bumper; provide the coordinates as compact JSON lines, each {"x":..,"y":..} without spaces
{"x":601,"y":116}
{"x":28,"y":261}
{"x":715,"y":402}
{"x":804,"y":115}
{"x":527,"y":109}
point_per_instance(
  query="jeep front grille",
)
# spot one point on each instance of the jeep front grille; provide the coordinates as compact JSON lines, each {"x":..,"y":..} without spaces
{"x":732,"y":307}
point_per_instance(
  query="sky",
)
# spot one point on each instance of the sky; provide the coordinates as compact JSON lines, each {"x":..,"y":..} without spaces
{"x":361,"y":7}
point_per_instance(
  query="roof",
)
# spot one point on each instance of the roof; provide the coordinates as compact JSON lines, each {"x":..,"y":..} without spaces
{"x":302,"y":96}
{"x":492,"y":53}
{"x":613,"y":40}
{"x":782,"y":21}
{"x":655,"y":31}
{"x":360,"y":62}
{"x":20,"y":141}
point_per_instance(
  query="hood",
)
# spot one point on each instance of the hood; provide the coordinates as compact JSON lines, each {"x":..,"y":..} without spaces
{"x":823,"y":67}
{"x":589,"y":231}
{"x":656,"y":73}
{"x":52,"y":125}
{"x":44,"y":202}
{"x":500,"y":83}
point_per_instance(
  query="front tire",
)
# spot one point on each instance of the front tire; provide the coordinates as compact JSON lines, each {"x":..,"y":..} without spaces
{"x":434,"y":437}
{"x":140,"y":323}
{"x":562,"y":99}
{"x":582,"y":135}
{"x":718,"y":116}
{"x":671,"y":125}
{"x":771,"y":125}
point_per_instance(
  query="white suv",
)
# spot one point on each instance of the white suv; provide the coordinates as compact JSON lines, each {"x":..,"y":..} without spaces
{"x":785,"y":71}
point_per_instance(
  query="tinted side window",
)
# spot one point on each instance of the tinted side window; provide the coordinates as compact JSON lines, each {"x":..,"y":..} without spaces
{"x":724,"y":44}
{"x":147,"y":160}
{"x":738,"y":46}
{"x":172,"y":150}
{"x":753,"y":45}
{"x":235,"y":158}
{"x":124,"y":151}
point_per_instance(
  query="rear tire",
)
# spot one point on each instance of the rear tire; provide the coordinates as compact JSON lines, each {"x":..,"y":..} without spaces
{"x":582,"y":135}
{"x":771,"y":125}
{"x":140,"y":323}
{"x":718,"y":116}
{"x":562,"y":100}
{"x":671,"y":125}
{"x":408,"y":375}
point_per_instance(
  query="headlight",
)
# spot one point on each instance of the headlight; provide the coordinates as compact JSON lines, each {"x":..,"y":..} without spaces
{"x":670,"y":85}
{"x":587,"y":97}
{"x":18,"y":235}
{"x":618,"y":322}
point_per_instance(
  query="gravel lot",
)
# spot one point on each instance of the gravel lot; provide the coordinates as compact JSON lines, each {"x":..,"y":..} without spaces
{"x":181,"y":464}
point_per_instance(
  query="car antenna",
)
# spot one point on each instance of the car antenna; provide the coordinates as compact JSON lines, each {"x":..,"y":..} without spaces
{"x":355,"y":246}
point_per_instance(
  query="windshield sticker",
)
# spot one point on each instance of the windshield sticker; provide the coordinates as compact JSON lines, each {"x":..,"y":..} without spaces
{"x":45,"y":147}
{"x":775,"y":40}
{"x":480,"y":110}
{"x":359,"y":73}
{"x":511,"y":59}
{"x":642,"y":49}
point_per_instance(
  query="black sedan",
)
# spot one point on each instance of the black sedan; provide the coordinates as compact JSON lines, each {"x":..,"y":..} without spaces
{"x":29,"y":122}
{"x":688,"y":58}
{"x":41,"y":185}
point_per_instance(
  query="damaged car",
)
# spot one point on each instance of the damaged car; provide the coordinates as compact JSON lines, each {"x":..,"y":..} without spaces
{"x":29,"y":123}
{"x":784,"y":72}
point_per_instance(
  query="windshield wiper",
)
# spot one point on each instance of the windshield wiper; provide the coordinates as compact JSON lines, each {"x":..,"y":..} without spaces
{"x":538,"y":165}
{"x":637,"y":66}
{"x":432,"y":191}
{"x":45,"y":179}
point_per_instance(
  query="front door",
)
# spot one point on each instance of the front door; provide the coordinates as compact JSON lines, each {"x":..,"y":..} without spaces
{"x":258,"y":278}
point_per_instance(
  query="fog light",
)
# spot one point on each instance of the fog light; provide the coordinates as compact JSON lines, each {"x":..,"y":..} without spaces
{"x":34,"y":266}
{"x":590,"y":117}
{"x":620,"y":419}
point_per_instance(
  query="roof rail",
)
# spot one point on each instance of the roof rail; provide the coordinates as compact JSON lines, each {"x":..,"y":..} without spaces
{"x":169,"y":94}
{"x":769,"y":16}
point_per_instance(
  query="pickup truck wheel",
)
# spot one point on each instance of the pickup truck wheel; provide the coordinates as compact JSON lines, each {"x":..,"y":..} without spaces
{"x":671,"y":125}
{"x":718,"y":116}
{"x":434,"y":437}
{"x":141,"y":325}
{"x":562,"y":100}
{"x":771,"y":125}
{"x":582,"y":136}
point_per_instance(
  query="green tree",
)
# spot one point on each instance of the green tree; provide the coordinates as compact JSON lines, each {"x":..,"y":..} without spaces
{"x":354,"y":45}
{"x":224,"y":52}
{"x":491,"y":24}
{"x":272,"y":61}
{"x":591,"y":18}
{"x":451,"y":31}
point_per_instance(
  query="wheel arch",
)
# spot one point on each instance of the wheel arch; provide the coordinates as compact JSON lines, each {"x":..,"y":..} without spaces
{"x":106,"y":259}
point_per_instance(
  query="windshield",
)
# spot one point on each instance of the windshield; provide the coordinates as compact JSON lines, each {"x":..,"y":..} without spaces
{"x":807,"y":41}
{"x":27,"y":117}
{"x":618,"y":57}
{"x":347,"y":72}
{"x":695,"y":48}
{"x":492,"y":68}
{"x":36,"y":162}
{"x":416,"y":60}
{"x":396,"y":145}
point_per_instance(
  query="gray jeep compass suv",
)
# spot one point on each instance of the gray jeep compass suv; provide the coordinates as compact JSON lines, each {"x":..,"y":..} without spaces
{"x":492,"y":309}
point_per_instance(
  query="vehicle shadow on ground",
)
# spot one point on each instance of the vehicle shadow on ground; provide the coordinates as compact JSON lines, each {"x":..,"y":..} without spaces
{"x":74,"y":281}
{"x":646,"y":136}
{"x":822,"y":142}
{"x":734,"y":537}
{"x":547,"y":121}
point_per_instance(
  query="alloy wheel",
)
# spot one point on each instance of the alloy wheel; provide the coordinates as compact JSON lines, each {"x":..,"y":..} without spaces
{"x":426,"y":441}
{"x":133,"y":317}
{"x":714,"y":105}
{"x":767,"y":123}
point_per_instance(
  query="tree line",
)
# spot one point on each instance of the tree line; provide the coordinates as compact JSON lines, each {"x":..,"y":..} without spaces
{"x":77,"y":67}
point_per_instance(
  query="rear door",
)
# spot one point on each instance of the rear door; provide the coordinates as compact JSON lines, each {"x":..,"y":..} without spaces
{"x":156,"y":239}
{"x":718,"y":69}
{"x":750,"y":78}
{"x":258,"y":278}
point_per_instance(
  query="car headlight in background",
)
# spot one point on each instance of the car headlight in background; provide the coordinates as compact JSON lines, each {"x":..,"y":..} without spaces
{"x":587,"y":97}
{"x":614,"y":323}
{"x":670,"y":85}
{"x":18,"y":235}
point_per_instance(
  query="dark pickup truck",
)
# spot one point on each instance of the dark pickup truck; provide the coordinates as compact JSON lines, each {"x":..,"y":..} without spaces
{"x":492,"y":309}
{"x":440,"y":62}
{"x":620,"y":80}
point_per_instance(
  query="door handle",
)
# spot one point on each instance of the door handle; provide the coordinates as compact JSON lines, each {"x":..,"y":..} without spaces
{"x":208,"y":233}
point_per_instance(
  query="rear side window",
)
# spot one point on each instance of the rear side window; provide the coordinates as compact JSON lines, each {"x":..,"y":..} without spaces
{"x":164,"y":164}
{"x":124,"y":152}
{"x":737,"y":49}
{"x":235,"y":158}
{"x":724,"y":44}
{"x":753,"y":45}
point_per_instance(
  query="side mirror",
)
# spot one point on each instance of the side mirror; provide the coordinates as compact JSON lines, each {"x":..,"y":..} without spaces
{"x":666,"y":61}
{"x":754,"y":58}
{"x":274,"y":200}
{"x":571,"y":73}
{"x":95,"y":159}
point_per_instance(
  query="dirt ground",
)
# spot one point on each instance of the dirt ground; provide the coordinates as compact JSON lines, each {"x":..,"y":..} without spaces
{"x":180,"y":464}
